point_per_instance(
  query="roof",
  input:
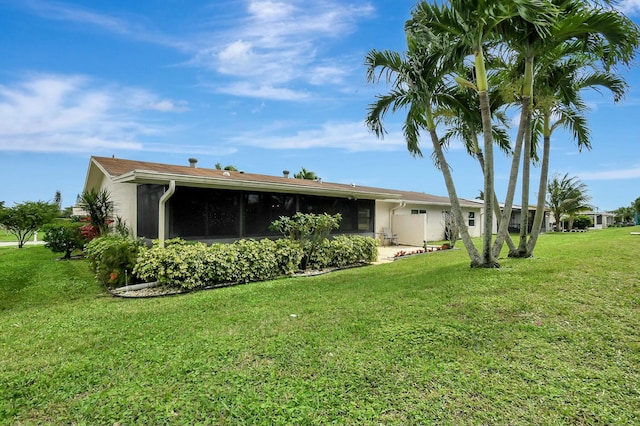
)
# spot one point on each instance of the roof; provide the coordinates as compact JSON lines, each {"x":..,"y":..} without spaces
{"x":132,"y":171}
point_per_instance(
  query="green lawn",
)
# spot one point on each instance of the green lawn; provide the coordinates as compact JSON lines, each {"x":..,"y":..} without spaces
{"x":424,"y":340}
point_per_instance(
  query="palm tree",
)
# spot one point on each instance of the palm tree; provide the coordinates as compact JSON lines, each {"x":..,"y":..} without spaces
{"x":98,"y":204}
{"x":566,"y":196}
{"x":306,"y":174}
{"x":418,"y":85}
{"x":471,"y":27}
{"x":583,"y":29}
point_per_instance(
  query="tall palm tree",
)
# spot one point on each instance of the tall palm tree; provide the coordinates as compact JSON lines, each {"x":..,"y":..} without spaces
{"x":471,"y":27}
{"x":590,"y":31}
{"x":418,"y":85}
{"x":560,"y":98}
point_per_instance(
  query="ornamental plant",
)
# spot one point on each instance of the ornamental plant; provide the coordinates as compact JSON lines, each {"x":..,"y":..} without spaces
{"x":64,"y":237}
{"x":112,"y":259}
{"x":309,"y":230}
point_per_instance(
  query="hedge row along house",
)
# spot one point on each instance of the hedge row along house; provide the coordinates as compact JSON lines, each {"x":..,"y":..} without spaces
{"x":161,"y":201}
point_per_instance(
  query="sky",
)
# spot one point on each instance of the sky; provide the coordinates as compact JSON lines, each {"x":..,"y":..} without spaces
{"x":263,"y":85}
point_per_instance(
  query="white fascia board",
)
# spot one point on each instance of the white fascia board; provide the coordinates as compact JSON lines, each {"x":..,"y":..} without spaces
{"x":141,"y":176}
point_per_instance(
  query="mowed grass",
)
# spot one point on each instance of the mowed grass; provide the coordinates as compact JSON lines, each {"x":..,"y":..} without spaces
{"x":425,"y":340}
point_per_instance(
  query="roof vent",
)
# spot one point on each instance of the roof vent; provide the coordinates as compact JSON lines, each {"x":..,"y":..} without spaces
{"x":353,"y":185}
{"x":193,"y":162}
{"x":285,"y":173}
{"x":226,"y":174}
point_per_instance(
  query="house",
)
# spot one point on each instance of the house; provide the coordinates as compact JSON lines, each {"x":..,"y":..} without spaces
{"x":601,"y":220}
{"x":166,"y":201}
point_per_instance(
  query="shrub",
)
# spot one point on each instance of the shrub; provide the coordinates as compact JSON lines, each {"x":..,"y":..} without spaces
{"x":113,"y":258}
{"x":64,"y":237}
{"x":345,"y":250}
{"x":309,"y":230}
{"x":197,"y":265}
{"x":582,"y":222}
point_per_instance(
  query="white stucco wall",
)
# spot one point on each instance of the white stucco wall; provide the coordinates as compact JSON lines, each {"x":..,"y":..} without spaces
{"x":124,"y":199}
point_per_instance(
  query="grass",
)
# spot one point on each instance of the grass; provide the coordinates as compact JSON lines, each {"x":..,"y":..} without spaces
{"x":424,"y":340}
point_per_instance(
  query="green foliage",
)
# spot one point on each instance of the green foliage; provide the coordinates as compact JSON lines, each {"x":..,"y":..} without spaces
{"x":24,"y":219}
{"x":344,"y":250}
{"x":307,"y":229}
{"x":64,"y":237}
{"x":112,"y":258}
{"x":305,"y":174}
{"x":98,"y":204}
{"x":579,"y":222}
{"x":198,"y":265}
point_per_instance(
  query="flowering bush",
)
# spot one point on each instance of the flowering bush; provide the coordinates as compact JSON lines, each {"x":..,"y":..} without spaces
{"x":112,"y":258}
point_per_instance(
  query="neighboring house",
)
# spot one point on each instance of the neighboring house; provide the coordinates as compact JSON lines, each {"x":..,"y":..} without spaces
{"x":515,"y":219}
{"x":166,"y":201}
{"x":601,"y":220}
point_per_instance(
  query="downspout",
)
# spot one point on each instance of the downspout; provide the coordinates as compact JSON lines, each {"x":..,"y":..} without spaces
{"x":393,"y":210}
{"x":162,"y":227}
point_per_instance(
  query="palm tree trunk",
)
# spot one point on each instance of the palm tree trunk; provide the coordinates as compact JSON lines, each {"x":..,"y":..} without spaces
{"x":503,"y":228}
{"x":524,"y":211}
{"x":488,"y":260}
{"x":542,"y":189}
{"x":496,"y":208}
{"x":476,"y":260}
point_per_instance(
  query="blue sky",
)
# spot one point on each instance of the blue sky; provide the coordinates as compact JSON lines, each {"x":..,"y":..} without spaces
{"x":261,"y":85}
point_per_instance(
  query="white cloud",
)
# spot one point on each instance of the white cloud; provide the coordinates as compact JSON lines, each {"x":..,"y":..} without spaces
{"x":349,"y":136}
{"x":277,"y":43}
{"x":256,"y":90}
{"x":630,"y":7}
{"x":54,"y":113}
{"x":619,"y":174}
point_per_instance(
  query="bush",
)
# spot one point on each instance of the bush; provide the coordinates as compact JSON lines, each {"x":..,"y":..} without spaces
{"x":197,"y":265}
{"x":64,"y":237}
{"x":344,"y":250}
{"x":309,"y":230}
{"x":113,"y":258}
{"x":582,"y":222}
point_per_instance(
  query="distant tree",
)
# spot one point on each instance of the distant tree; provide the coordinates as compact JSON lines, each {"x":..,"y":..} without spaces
{"x":57,"y":199}
{"x":636,"y":205}
{"x":24,"y":219}
{"x":229,"y":167}
{"x":98,"y":204}
{"x":567,"y":196}
{"x":624,"y":214}
{"x":305,"y":174}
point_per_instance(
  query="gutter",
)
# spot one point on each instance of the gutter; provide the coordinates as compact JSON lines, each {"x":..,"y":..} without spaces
{"x":162,"y":226}
{"x":393,"y":210}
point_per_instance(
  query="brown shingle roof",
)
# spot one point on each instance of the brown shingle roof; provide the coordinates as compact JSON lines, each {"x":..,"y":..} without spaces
{"x":117,"y":167}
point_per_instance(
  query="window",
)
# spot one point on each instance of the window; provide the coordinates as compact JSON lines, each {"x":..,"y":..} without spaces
{"x":472,"y":218}
{"x":261,"y":209}
{"x":417,"y":211}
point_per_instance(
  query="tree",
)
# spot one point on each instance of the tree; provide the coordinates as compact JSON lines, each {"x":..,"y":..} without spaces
{"x":567,"y":196}
{"x":24,"y":219}
{"x":64,"y":237}
{"x":57,"y":199}
{"x":229,"y":167}
{"x":624,"y":214}
{"x":585,"y":36}
{"x":306,"y":174}
{"x":636,"y":207}
{"x":418,"y":85}
{"x":98,"y":204}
